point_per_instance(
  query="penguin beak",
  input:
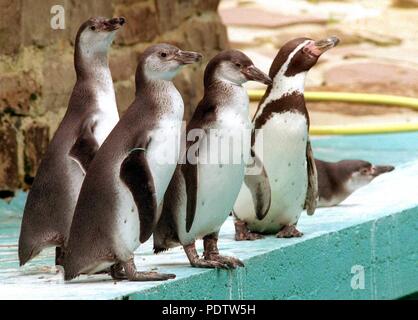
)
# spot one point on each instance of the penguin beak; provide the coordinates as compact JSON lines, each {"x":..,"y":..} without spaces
{"x":255,"y":74}
{"x":187,"y":57}
{"x":114,"y":24}
{"x":378,"y":170}
{"x":317,"y":48}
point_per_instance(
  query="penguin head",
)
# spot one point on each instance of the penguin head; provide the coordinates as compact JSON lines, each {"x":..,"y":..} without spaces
{"x":164,"y":61}
{"x":97,"y":34}
{"x":235,"y":67}
{"x":300,"y":55}
{"x":360,"y":172}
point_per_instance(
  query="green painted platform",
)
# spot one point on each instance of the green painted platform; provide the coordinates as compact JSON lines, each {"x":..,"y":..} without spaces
{"x":376,"y":228}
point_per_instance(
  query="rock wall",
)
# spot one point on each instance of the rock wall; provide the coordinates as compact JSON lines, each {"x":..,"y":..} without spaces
{"x":37,"y":73}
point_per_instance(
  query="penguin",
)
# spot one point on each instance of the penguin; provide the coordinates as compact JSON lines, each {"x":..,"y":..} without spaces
{"x":281,"y":147}
{"x":118,"y":206}
{"x":91,"y":115}
{"x":338,"y":180}
{"x":205,"y":185}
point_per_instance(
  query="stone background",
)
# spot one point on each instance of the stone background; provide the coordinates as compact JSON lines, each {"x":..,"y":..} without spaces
{"x":37,"y":73}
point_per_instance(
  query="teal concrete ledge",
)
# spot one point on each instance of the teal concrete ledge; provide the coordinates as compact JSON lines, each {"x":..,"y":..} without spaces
{"x":375,"y":230}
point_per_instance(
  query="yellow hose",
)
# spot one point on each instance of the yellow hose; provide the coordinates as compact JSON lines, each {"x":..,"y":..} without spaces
{"x":363,"y":129}
{"x":361,"y":98}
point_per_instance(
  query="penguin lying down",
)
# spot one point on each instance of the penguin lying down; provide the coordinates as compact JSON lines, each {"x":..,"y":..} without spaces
{"x":338,"y":180}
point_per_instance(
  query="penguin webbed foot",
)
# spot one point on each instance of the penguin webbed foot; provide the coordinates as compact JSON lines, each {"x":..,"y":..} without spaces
{"x":242,"y":233}
{"x":231,"y":262}
{"x":133,"y":275}
{"x":211,"y":253}
{"x":151,"y":276}
{"x":204,"y":263}
{"x":289,"y":232}
{"x":197,"y":262}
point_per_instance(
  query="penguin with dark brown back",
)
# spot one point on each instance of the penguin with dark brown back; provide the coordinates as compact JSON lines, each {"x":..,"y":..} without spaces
{"x":91,"y":115}
{"x":204,"y":188}
{"x":338,"y":180}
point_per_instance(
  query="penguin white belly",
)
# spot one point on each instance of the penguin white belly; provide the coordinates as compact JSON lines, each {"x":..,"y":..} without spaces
{"x":126,"y":218}
{"x":244,"y":205}
{"x":218,"y":185}
{"x":107,"y":117}
{"x":333,"y":201}
{"x":163,"y":154}
{"x":284,"y":141}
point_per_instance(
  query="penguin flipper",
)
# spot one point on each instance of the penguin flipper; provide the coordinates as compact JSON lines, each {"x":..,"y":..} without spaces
{"x":259,"y":186}
{"x":311,"y":201}
{"x":85,"y":147}
{"x":190,"y":173}
{"x":136,"y":174}
{"x":191,"y":178}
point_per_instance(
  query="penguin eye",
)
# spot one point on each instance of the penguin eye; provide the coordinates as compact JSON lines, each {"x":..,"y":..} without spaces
{"x":238,"y":65}
{"x":163,"y":54}
{"x":93,"y":28}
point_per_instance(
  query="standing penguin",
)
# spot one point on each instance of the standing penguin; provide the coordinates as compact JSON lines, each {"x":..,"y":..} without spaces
{"x":91,"y":115}
{"x":204,"y":188}
{"x":118,"y":204}
{"x":338,"y":180}
{"x":281,"y":141}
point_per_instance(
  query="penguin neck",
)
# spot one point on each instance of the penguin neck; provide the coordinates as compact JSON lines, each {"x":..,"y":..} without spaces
{"x":228,"y":96}
{"x":162,"y":95}
{"x":145,"y":83}
{"x":145,"y":86}
{"x":93,"y":67}
{"x":285,"y":85}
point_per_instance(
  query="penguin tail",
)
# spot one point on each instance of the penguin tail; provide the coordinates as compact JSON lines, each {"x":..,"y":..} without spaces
{"x":27,"y":252}
{"x":69,"y":276}
{"x":70,"y":271}
{"x":158,"y":250}
{"x":31,"y":244}
{"x":23,"y":258}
